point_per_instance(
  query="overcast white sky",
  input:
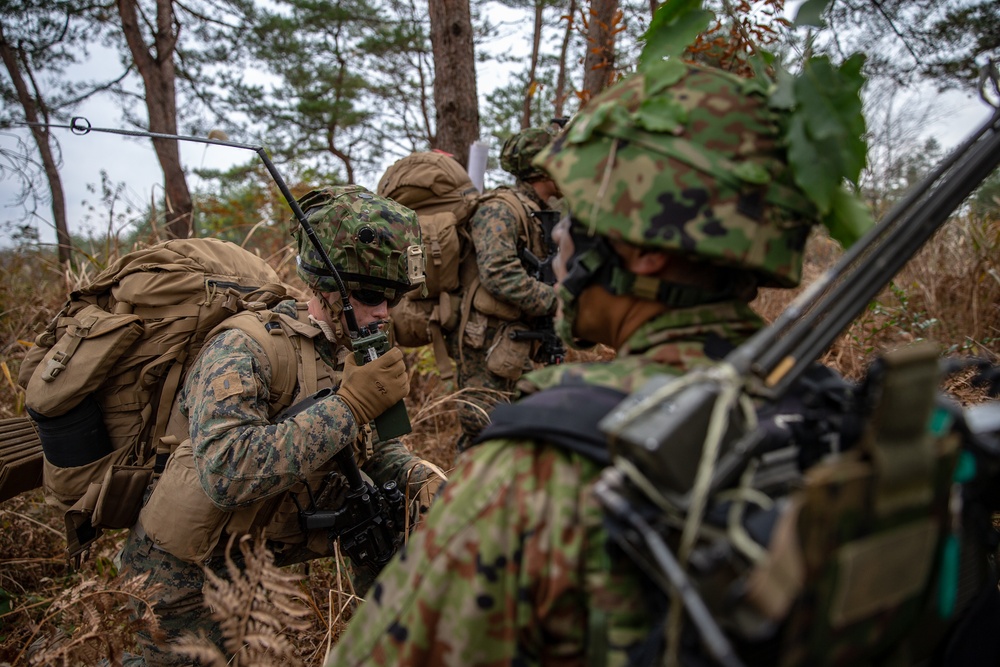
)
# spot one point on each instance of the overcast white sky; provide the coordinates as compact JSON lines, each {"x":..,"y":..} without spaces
{"x":131,"y":161}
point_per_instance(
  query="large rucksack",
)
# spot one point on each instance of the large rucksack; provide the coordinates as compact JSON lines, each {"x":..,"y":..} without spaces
{"x":440,"y":191}
{"x":102,"y":379}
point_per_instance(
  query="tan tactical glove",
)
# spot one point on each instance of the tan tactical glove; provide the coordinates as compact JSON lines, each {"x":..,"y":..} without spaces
{"x":423,"y":481}
{"x":372,"y":389}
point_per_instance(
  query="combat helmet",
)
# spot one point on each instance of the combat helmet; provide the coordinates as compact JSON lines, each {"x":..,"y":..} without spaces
{"x":520,"y":149}
{"x":694,"y":166}
{"x":373,"y":242}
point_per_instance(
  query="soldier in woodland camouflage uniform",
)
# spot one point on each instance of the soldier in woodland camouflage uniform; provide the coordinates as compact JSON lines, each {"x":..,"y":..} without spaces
{"x":659,"y":259}
{"x":504,"y":296}
{"x":243,"y":472}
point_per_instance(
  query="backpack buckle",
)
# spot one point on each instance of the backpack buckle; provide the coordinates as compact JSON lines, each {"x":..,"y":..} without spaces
{"x":55,"y":366}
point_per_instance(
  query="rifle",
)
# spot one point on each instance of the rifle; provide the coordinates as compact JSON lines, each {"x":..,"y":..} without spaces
{"x":551,"y":349}
{"x":368,"y":522}
{"x":678,"y":441}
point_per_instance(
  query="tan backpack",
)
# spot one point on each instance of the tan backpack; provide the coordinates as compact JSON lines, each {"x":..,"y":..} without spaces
{"x":102,"y":378}
{"x":444,"y":198}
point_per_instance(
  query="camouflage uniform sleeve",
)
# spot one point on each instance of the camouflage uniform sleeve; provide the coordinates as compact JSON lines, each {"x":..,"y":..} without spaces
{"x":494,"y":230}
{"x":391,"y":460}
{"x":241,"y":457}
{"x":510,"y":559}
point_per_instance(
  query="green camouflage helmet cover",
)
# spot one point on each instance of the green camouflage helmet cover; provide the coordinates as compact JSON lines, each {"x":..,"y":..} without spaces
{"x":690,"y":163}
{"x":520,"y":149}
{"x":372,"y":241}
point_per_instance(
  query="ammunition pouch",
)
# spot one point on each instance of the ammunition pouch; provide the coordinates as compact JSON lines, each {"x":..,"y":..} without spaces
{"x":487,"y":304}
{"x":179,"y":517}
{"x":508,"y":356}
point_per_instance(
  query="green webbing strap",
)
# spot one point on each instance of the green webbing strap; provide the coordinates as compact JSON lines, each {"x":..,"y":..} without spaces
{"x":620,"y":281}
{"x":898,"y":438}
{"x":597,"y":637}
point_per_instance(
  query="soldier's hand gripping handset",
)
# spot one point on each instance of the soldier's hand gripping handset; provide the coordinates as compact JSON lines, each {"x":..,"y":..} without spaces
{"x":376,"y":262}
{"x":375,"y":387}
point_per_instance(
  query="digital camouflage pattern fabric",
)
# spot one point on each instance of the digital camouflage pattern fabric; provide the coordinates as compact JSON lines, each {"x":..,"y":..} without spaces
{"x":689,"y":164}
{"x":520,"y":149}
{"x":499,"y":233}
{"x":366,"y":236}
{"x":512,"y":566}
{"x":481,"y":389}
{"x":242,"y":458}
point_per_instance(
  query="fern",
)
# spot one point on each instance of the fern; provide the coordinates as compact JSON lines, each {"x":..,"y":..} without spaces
{"x":255,"y":607}
{"x":92,"y":622}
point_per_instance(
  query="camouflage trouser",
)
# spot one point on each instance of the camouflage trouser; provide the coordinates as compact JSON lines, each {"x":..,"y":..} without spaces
{"x":179,"y":604}
{"x":481,"y":388}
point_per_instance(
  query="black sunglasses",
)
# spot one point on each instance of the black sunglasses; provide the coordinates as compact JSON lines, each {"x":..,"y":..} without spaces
{"x":373,"y":297}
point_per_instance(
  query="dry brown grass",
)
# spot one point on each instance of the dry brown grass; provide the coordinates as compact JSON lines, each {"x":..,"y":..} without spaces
{"x":949,"y":293}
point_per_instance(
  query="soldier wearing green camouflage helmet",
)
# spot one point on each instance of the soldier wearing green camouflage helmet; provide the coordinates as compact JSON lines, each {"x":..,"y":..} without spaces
{"x":369,"y":243}
{"x":244,"y":467}
{"x":505,"y":294}
{"x":678,"y":205}
{"x":519,"y":151}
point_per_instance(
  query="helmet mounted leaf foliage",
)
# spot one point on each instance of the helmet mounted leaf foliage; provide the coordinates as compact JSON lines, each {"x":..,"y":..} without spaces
{"x":690,"y":159}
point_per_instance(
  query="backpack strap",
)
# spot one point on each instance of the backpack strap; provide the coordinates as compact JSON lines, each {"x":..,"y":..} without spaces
{"x":554,"y":415}
{"x":523,"y":208}
{"x":267,"y":328}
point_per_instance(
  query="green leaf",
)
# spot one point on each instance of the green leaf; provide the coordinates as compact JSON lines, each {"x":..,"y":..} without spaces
{"x":811,"y":13}
{"x":752,"y":172}
{"x":783,"y":96}
{"x":810,"y":171}
{"x":583,"y":130}
{"x":661,"y":114}
{"x":674,"y":27}
{"x":761,"y":62}
{"x":829,"y":101}
{"x":849,"y":219}
{"x":662,"y":75}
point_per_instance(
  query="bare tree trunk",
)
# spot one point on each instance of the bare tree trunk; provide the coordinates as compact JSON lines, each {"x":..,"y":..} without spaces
{"x":599,"y":64}
{"x":455,"y":101}
{"x":560,"y":98}
{"x":156,"y":66}
{"x":536,"y":41}
{"x":13,"y":61}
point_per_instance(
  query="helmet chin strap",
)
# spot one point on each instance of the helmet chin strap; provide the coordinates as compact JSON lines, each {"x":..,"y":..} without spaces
{"x":334,"y":333}
{"x":594,"y":261}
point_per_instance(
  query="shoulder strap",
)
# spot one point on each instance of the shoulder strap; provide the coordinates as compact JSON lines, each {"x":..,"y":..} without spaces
{"x":265,"y":327}
{"x":517,"y":201}
{"x":554,"y":415}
